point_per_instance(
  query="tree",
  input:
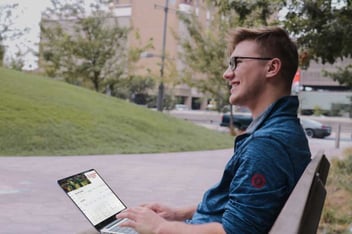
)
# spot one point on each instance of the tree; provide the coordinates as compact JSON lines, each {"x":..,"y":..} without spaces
{"x":204,"y":48}
{"x":203,"y":54}
{"x":87,"y":50}
{"x":342,"y":75}
{"x":249,"y":13}
{"x":6,"y":27}
{"x":134,"y":87}
{"x":17,"y":62}
{"x":324,"y":30}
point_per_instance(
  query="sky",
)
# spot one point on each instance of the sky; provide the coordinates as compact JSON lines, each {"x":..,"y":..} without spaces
{"x":27,"y":15}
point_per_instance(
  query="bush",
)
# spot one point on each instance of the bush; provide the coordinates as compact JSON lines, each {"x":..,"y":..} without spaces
{"x":317,"y":111}
{"x":337,"y":212}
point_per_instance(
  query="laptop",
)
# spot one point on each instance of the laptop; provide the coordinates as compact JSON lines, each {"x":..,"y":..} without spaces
{"x":96,"y":201}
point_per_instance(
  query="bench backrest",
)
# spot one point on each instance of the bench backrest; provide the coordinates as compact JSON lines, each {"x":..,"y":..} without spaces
{"x":302,"y":211}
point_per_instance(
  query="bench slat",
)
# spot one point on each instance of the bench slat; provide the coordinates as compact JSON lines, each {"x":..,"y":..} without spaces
{"x":301,"y":213}
{"x":311,"y":217}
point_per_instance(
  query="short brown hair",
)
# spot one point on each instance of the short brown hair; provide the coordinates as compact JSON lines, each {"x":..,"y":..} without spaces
{"x":273,"y":42}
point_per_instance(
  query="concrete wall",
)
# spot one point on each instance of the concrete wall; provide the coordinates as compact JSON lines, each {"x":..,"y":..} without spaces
{"x":323,"y":99}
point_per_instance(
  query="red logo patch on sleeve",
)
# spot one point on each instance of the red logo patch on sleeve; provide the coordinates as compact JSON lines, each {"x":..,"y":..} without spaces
{"x":258,"y":180}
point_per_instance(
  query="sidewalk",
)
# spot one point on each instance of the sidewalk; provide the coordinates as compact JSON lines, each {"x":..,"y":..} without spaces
{"x":31,"y":201}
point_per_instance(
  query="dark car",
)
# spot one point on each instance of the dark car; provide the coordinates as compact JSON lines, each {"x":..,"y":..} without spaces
{"x":240,"y":121}
{"x":315,"y":129}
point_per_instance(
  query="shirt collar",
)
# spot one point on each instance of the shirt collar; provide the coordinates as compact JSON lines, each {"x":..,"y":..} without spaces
{"x":282,"y":104}
{"x":257,"y":121}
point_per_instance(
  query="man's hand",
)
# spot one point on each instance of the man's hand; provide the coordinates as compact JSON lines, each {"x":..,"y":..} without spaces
{"x":170,"y":213}
{"x":164,"y":211}
{"x":145,"y":220}
{"x":142,"y":219}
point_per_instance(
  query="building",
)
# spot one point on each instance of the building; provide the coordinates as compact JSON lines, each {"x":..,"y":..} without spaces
{"x":320,"y":93}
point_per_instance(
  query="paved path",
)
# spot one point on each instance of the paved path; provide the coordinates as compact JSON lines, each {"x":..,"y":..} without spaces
{"x":31,"y":201}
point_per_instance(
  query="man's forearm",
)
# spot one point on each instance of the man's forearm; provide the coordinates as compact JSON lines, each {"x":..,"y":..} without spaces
{"x":184,"y":213}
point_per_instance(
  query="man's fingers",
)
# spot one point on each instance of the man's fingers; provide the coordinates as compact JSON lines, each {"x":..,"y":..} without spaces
{"x":128,"y":223}
{"x":127,"y":214}
{"x":152,"y":206}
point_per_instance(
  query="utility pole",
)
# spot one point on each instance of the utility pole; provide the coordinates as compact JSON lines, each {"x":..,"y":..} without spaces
{"x":160,"y":98}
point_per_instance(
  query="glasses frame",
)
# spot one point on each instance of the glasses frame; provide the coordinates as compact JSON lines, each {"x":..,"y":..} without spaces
{"x":233,"y":60}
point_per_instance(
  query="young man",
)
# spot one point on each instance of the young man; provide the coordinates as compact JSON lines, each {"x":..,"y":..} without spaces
{"x":268,"y":158}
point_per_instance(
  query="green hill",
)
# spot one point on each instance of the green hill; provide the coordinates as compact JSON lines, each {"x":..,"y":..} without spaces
{"x":41,"y":116}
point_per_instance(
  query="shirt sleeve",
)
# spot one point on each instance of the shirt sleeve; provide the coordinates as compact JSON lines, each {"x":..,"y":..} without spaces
{"x":260,"y":187}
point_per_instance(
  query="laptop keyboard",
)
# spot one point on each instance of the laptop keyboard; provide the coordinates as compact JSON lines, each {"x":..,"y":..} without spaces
{"x":125,"y":230}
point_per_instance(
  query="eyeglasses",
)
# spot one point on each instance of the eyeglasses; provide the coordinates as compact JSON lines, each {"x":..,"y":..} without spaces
{"x":234,"y":61}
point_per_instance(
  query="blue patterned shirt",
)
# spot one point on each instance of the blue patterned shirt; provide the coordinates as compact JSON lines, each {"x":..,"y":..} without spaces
{"x":267,"y":162}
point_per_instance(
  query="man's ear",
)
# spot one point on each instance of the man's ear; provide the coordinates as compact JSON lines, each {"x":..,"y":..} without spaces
{"x":273,"y":67}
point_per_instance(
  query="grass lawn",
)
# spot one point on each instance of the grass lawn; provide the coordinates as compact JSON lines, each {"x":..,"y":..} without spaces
{"x":41,"y":116}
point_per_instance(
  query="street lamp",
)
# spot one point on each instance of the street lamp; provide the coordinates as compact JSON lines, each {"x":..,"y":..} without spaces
{"x":160,"y":98}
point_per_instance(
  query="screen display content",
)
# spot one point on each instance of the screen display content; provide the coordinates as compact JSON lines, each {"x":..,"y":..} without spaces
{"x":92,"y":195}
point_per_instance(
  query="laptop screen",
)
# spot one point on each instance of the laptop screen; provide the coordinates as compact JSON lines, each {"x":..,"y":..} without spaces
{"x":92,"y":196}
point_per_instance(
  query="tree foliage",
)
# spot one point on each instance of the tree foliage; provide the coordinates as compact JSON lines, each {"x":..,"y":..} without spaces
{"x":134,"y":88}
{"x":84,"y":49}
{"x":249,"y":13}
{"x":342,"y":75}
{"x":91,"y":50}
{"x":6,"y":27}
{"x":204,"y":56}
{"x":324,"y":30}
{"x":6,"y":21}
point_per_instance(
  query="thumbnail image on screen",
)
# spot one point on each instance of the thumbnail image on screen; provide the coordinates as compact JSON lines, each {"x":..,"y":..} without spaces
{"x":74,"y":182}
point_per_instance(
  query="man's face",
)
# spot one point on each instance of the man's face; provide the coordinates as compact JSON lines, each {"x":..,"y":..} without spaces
{"x":247,"y":80}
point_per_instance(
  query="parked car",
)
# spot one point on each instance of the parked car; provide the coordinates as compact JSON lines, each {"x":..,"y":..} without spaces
{"x":181,"y":107}
{"x":315,"y":129}
{"x":240,"y":121}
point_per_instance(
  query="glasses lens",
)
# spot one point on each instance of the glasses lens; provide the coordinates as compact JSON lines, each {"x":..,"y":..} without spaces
{"x":232,"y":63}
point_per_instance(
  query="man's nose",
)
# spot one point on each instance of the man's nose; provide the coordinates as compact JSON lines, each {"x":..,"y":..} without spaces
{"x":228,"y":74}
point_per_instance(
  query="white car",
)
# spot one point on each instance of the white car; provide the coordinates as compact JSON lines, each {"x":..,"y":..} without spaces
{"x":315,"y":129}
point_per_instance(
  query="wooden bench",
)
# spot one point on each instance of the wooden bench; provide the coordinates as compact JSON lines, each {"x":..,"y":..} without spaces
{"x":302,"y":211}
